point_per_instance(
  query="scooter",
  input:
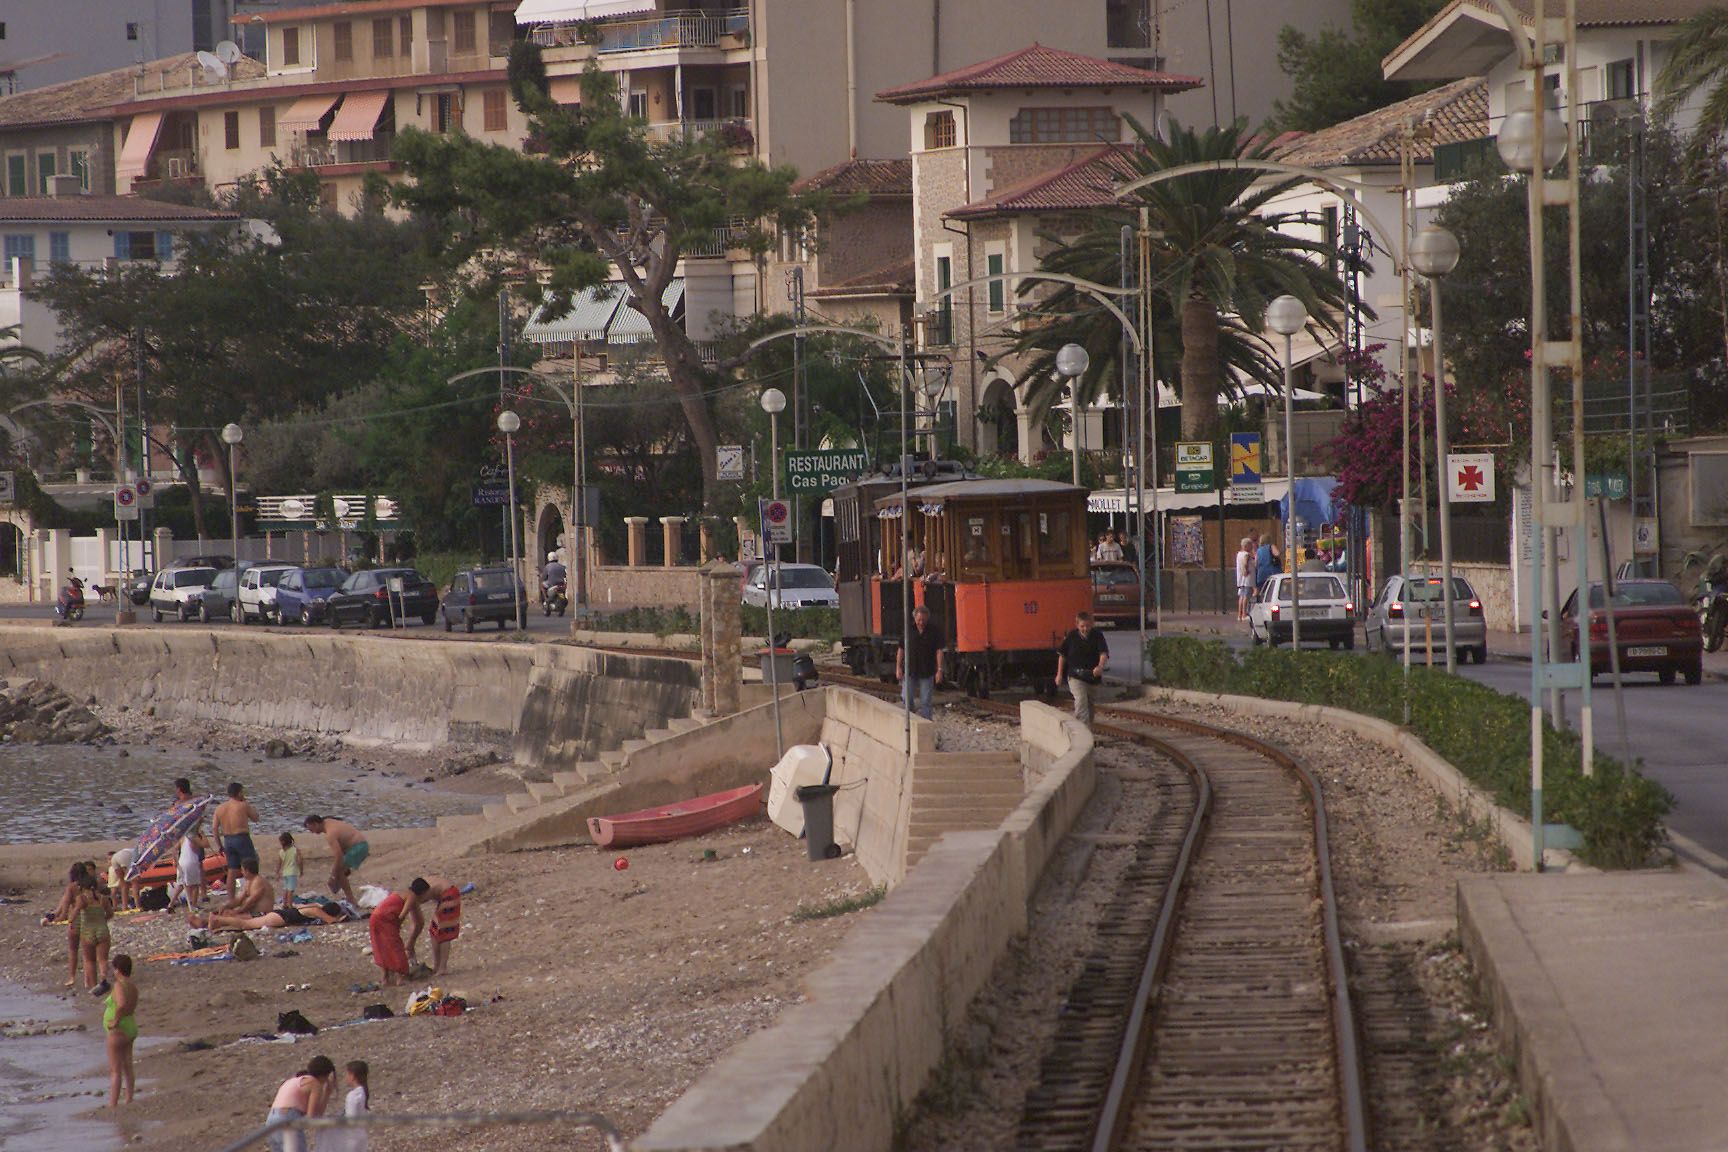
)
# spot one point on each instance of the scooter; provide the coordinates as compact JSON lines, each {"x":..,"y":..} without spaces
{"x":554,"y":598}
{"x":70,"y":605}
{"x":1712,"y":605}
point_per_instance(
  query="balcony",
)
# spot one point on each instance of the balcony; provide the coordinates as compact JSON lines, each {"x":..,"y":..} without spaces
{"x":693,"y":28}
{"x":325,"y":153}
{"x":734,"y":133}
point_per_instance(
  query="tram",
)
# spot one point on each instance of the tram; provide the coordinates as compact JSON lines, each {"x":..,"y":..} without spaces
{"x":1000,"y":564}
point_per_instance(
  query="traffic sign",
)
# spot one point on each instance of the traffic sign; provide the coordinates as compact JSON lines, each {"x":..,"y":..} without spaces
{"x":146,"y":492}
{"x":729,"y":462}
{"x":824,"y":469}
{"x":8,"y":487}
{"x":1245,"y":494}
{"x":1470,"y":478}
{"x":1605,"y":484}
{"x":125,"y":502}
{"x":1244,"y":458}
{"x":1194,"y":466}
{"x":777,"y":521}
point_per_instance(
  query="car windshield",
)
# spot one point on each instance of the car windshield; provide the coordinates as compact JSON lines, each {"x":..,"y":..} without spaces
{"x":224,"y":581}
{"x":1636,"y":594}
{"x":1113,"y":577}
{"x":323,"y":578}
{"x":1313,"y":588}
{"x":1425,"y":589}
{"x":271,"y":577}
{"x":194,"y":578}
{"x":492,"y":581}
{"x":802,"y":578}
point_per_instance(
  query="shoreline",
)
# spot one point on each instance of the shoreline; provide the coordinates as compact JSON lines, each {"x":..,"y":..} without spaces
{"x":52,"y":1070}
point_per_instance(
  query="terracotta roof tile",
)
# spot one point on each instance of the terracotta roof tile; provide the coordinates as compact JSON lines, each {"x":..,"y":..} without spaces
{"x":23,"y":209}
{"x":94,"y":97}
{"x":889,"y":280}
{"x":871,"y":177}
{"x":1457,"y":112}
{"x":1088,"y":183}
{"x":1037,"y":67}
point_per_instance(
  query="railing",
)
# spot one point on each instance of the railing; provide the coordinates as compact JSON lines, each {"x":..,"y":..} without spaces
{"x":322,"y":154}
{"x":733,"y":132}
{"x":723,"y":240}
{"x":683,"y":29}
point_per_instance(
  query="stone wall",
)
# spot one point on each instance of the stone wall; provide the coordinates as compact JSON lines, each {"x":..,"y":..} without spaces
{"x":620,"y":586}
{"x":1493,"y":584}
{"x":872,"y":810}
{"x":579,"y":702}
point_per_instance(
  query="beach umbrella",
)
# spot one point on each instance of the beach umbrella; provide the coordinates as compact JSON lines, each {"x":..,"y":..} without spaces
{"x":166,"y":831}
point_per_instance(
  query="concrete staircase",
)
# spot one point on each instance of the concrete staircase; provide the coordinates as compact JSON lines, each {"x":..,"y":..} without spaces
{"x":960,"y":790}
{"x":584,"y":775}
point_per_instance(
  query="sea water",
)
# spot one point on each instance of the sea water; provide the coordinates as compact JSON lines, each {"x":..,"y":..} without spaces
{"x":47,"y":1080}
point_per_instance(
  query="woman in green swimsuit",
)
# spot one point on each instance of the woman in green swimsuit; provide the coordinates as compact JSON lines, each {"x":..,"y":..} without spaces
{"x":92,"y":907}
{"x":119,"y":1022}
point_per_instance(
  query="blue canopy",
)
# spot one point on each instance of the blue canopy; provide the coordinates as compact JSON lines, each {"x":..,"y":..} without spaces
{"x":1313,"y":501}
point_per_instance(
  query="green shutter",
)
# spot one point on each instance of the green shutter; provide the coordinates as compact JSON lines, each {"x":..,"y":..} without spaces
{"x":998,"y":288}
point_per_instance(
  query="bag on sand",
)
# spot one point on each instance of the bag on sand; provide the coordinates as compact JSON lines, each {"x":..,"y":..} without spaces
{"x":242,"y":948}
{"x":292,"y":1021}
{"x":153,"y":899}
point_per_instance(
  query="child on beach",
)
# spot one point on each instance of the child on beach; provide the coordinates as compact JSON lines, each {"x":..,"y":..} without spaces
{"x":358,"y":1103}
{"x":121,"y":1026}
{"x":91,"y":907}
{"x":63,"y":911}
{"x":288,"y":868}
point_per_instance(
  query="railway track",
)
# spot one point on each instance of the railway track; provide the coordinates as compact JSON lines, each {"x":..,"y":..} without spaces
{"x":1214,"y":1011}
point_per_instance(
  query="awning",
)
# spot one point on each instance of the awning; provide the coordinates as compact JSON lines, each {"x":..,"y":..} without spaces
{"x":631,"y":327}
{"x":135,"y":156}
{"x":307,"y":113}
{"x":565,"y":89}
{"x":1170,"y":500}
{"x":565,"y":11}
{"x":587,"y":319}
{"x":358,"y":116}
{"x":1306,"y":347}
{"x":1249,"y":388}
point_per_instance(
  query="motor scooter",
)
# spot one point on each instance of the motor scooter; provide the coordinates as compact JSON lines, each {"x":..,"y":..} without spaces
{"x":69,"y":607}
{"x":554,"y":597}
{"x":1711,"y":601}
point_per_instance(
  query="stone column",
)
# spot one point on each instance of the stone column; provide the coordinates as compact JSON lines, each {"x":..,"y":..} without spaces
{"x":161,"y":547}
{"x":704,"y":541}
{"x":722,"y":659}
{"x":637,"y":552}
{"x":672,"y":537}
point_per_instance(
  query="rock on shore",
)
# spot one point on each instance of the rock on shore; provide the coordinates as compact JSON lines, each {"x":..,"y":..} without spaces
{"x":36,"y":712}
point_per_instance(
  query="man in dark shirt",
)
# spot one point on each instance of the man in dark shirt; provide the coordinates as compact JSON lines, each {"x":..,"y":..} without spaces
{"x":919,"y":679}
{"x":1080,"y":664}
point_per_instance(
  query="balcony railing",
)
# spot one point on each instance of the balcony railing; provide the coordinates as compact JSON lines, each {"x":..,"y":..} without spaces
{"x":683,"y":29}
{"x":734,"y":132}
{"x":323,"y":153}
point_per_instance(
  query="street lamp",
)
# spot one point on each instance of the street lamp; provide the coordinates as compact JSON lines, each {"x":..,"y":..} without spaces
{"x":1286,"y":316}
{"x":1434,"y":253}
{"x":1516,"y":142}
{"x":1071,"y":363}
{"x":232,"y":434}
{"x":773,"y":402}
{"x":508,"y":423}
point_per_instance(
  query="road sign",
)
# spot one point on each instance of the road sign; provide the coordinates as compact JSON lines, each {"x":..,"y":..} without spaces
{"x":729,"y":462}
{"x":489,"y":494}
{"x":824,"y":469}
{"x":8,"y":487}
{"x":1245,"y":494}
{"x":1605,"y":484}
{"x":125,"y":502}
{"x":777,"y":521}
{"x":1644,"y":536}
{"x":1244,"y":458}
{"x":1470,"y":478}
{"x":1194,"y":466}
{"x":146,"y":492}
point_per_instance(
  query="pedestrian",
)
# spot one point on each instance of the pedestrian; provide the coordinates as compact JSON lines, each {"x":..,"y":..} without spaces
{"x":385,"y":930}
{"x":1130,"y":552}
{"x":119,"y":1022}
{"x":125,"y":891}
{"x":64,"y":911}
{"x":249,"y":894}
{"x":446,"y":923}
{"x":1107,"y":548}
{"x":1267,"y":563}
{"x":182,"y":791}
{"x":347,"y":845}
{"x":288,"y":867}
{"x":233,"y":827}
{"x":1312,"y":561}
{"x":92,"y":906}
{"x":1080,"y":664}
{"x":1244,"y":576}
{"x":301,"y":1095}
{"x":918,"y":681}
{"x":189,"y":872}
{"x":358,"y":1103}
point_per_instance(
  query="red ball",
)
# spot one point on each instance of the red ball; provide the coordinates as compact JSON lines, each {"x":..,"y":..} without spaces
{"x":621,"y":863}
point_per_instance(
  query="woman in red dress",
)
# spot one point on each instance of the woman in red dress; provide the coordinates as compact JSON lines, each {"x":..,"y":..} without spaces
{"x":385,"y":929}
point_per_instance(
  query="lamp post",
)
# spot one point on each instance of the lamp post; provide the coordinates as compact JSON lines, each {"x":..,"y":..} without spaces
{"x":232,"y":434}
{"x":1434,"y":253}
{"x":1071,"y":363}
{"x":1286,"y":316}
{"x":773,"y":402}
{"x":508,"y":423}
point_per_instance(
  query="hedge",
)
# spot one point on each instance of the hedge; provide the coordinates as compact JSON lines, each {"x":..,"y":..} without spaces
{"x":1482,"y":732}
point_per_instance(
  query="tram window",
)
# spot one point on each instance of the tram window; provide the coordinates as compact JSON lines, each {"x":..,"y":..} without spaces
{"x":1019,"y":546}
{"x":978,"y":556}
{"x":1055,"y":537}
{"x":935,"y":547}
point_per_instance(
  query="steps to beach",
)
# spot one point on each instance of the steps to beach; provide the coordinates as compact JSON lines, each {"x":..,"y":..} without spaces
{"x":957,"y":791}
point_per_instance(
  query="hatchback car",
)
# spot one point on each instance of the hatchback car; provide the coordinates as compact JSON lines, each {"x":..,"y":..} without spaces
{"x":796,"y":586}
{"x":217,"y":602}
{"x":301,"y":593}
{"x":1326,"y":611}
{"x":367,"y":597}
{"x":1655,"y":630}
{"x":1115,"y":594}
{"x":477,"y":595}
{"x":257,"y":594}
{"x":1413,"y":607}
{"x":175,"y":592}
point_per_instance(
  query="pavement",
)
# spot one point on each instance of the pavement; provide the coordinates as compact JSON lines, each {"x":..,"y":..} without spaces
{"x":1607,"y":990}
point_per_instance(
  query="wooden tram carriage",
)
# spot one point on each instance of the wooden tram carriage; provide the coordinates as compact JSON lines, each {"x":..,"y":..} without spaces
{"x":1004,"y":569}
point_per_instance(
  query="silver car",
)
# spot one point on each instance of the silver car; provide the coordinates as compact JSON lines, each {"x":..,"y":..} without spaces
{"x":1413,"y":605}
{"x":799,"y":586}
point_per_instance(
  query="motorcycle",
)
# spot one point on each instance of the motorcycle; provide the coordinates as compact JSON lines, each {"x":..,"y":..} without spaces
{"x":1712,"y":605}
{"x":554,"y":598}
{"x":70,"y":605}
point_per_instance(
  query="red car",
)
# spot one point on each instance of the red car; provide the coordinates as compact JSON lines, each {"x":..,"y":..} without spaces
{"x":1655,"y":630}
{"x":1115,"y":594}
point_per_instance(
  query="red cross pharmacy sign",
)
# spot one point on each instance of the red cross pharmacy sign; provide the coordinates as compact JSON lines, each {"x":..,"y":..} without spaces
{"x":1470,"y":478}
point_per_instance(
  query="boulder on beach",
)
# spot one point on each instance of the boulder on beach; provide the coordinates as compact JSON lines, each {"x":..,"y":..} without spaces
{"x":36,"y":712}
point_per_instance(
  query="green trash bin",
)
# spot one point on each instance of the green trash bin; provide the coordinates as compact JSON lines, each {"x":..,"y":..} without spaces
{"x":817,"y":800}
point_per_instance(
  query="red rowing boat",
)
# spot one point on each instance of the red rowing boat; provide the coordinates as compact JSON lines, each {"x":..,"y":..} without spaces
{"x":678,"y":820}
{"x":215,"y":868}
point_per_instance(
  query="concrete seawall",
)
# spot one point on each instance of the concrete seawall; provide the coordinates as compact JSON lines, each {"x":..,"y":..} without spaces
{"x":578,"y":702}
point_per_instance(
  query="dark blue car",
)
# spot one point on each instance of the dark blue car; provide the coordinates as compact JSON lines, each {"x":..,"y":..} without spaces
{"x":480,"y":594}
{"x":382,"y":596}
{"x":301,"y":593}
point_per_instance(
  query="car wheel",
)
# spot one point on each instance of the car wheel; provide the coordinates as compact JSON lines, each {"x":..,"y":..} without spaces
{"x":156,"y":613}
{"x":185,"y":614}
{"x":467,"y":622}
{"x":428,"y":618}
{"x":1695,"y":674}
{"x":335,"y":620}
{"x":1350,"y":642}
{"x":305,"y":617}
{"x":447,"y":624}
{"x":236,"y":613}
{"x":378,"y":620}
{"x":1666,"y":676}
{"x":501,"y":623}
{"x":203,"y":613}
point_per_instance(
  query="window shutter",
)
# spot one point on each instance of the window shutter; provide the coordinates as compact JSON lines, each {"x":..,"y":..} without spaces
{"x":164,"y":246}
{"x":122,"y":245}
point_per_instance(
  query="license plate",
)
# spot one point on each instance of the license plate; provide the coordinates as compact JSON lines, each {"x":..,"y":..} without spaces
{"x":1650,"y":650}
{"x":1315,"y":613}
{"x":498,"y":596}
{"x":1112,"y":598}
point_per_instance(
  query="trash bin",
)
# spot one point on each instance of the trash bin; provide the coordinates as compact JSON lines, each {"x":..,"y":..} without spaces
{"x":777,"y":664}
{"x":817,"y":801}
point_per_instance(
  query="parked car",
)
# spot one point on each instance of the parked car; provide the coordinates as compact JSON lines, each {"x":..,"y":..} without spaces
{"x":367,"y":598}
{"x":302,"y":592}
{"x":217,"y":602}
{"x":1115,"y":594}
{"x":1655,"y":630}
{"x":175,"y":591}
{"x":1326,"y":611}
{"x":796,"y":586}
{"x":217,"y":560}
{"x":480,"y":594}
{"x":257,"y":595}
{"x":137,"y":586}
{"x":1414,"y":605}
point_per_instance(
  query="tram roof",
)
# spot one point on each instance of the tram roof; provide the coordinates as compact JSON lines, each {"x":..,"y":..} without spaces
{"x":981,"y":490}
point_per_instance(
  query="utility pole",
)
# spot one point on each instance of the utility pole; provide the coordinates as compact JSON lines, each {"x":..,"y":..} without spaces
{"x":503,"y":363}
{"x":800,"y":403}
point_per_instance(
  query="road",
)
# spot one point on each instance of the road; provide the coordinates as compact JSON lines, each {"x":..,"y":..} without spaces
{"x":101,"y":614}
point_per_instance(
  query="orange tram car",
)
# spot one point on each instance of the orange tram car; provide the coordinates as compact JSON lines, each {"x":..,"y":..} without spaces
{"x":1001,"y":565}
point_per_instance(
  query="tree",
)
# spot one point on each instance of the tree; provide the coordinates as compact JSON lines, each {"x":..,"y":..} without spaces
{"x":595,"y":195}
{"x":1698,"y":61}
{"x":1335,"y":74}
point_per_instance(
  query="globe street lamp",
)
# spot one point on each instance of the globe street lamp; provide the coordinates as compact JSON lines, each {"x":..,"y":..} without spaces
{"x":773,"y":402}
{"x":508,"y":423}
{"x":1516,"y":142}
{"x":1071,"y":363}
{"x":1286,"y":316}
{"x":232,"y":434}
{"x":1434,"y":253}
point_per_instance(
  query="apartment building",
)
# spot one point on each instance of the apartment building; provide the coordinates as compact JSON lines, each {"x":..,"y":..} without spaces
{"x":47,"y":42}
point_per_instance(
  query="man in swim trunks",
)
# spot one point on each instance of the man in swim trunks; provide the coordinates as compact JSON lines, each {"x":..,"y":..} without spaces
{"x":348,"y":846}
{"x":254,"y":897}
{"x":446,"y":926}
{"x":233,"y":826}
{"x":287,"y":916}
{"x":385,"y":929}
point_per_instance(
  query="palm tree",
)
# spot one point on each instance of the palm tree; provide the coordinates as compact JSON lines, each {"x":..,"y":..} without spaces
{"x":1218,"y":260}
{"x":1698,"y":59}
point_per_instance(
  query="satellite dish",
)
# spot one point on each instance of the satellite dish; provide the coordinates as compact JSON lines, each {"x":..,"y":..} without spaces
{"x":213,"y":66}
{"x":229,"y":52}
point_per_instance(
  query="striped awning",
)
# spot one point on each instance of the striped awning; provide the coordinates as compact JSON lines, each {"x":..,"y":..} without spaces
{"x":586,"y":321}
{"x":357,"y":119}
{"x":307,"y":113}
{"x":565,"y":11}
{"x":135,"y":155}
{"x":631,"y":327}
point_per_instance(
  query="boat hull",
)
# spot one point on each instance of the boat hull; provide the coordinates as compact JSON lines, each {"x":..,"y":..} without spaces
{"x":678,"y":820}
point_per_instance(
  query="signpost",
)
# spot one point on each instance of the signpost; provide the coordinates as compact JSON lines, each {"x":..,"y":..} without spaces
{"x":729,"y":462}
{"x":1194,"y":466}
{"x":824,"y":469}
{"x":1246,"y":485}
{"x":776,"y":522}
{"x":1470,"y":478}
{"x":146,"y":492}
{"x":125,"y":505}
